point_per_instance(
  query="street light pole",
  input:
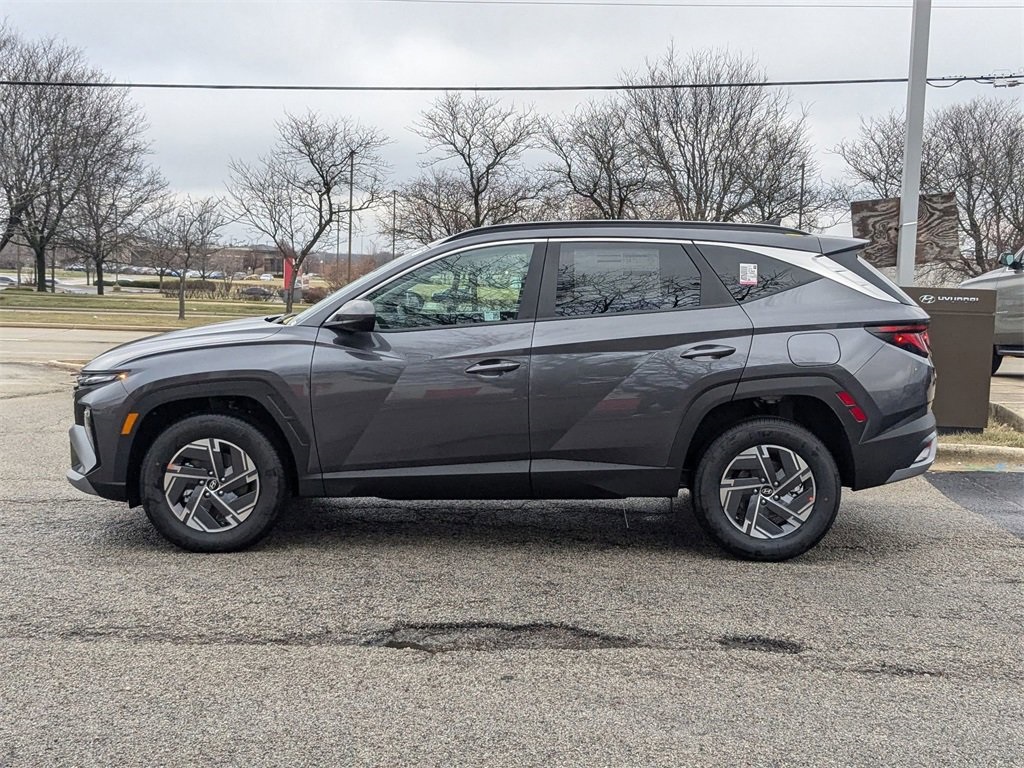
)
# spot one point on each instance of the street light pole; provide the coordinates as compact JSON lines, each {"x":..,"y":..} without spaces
{"x":394,"y":215}
{"x":351,"y":185}
{"x":800,"y":212}
{"x":911,"y":189}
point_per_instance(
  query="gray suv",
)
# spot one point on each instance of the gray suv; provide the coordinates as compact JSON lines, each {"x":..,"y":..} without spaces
{"x":762,"y":368}
{"x":1008,"y":283}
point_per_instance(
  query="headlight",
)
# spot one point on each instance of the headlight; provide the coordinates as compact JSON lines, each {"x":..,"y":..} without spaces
{"x":94,"y":378}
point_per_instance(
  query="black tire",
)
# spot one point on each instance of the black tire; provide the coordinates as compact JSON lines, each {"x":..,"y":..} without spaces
{"x":783,"y":443}
{"x":258,"y":490}
{"x":997,"y":360}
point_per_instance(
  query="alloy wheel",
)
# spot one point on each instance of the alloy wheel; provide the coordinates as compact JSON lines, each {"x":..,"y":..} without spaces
{"x":767,"y":491}
{"x":211,"y":485}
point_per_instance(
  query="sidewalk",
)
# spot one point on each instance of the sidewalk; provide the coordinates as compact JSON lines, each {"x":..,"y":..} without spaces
{"x":1007,"y":392}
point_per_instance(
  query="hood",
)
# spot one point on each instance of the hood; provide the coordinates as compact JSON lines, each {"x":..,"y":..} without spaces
{"x":984,"y":280}
{"x":228,"y":333}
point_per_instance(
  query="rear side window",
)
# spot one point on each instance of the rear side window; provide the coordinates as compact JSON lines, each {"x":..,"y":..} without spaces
{"x":751,"y":276}
{"x":614,"y":277}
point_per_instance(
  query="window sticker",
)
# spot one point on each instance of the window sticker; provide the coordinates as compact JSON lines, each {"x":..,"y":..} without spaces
{"x":748,"y":274}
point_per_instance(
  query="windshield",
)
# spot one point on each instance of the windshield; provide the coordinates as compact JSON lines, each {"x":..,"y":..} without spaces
{"x":356,"y":284}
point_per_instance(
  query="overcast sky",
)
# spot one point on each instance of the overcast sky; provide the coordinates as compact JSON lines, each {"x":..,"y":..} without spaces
{"x":377,"y":42}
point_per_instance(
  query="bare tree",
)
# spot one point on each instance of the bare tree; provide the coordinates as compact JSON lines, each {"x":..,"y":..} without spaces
{"x":709,"y":145}
{"x":185,"y":234}
{"x":980,"y":158}
{"x":476,"y":175}
{"x":55,"y":138}
{"x":875,"y":156}
{"x":296,"y":194}
{"x":974,"y":150}
{"x":114,"y":206}
{"x":597,"y":161}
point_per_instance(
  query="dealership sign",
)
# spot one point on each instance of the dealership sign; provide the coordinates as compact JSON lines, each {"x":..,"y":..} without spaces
{"x":878,"y":221}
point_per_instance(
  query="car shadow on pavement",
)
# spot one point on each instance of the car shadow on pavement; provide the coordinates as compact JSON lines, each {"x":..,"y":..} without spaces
{"x":652,"y":524}
{"x":640,"y":524}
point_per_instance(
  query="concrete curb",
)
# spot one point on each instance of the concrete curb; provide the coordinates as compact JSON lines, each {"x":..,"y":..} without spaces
{"x":78,"y":327}
{"x":999,"y":412}
{"x":956,"y":455}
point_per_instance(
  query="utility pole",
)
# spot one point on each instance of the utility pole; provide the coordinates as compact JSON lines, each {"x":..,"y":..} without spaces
{"x":911,"y":189}
{"x":800,"y":212}
{"x":351,"y":184}
{"x":394,"y":214}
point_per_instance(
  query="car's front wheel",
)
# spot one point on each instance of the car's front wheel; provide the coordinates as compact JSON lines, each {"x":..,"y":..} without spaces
{"x":766,"y":489}
{"x":212,"y":483}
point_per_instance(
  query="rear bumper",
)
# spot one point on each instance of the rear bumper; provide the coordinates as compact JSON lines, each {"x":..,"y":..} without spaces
{"x":896,"y":454}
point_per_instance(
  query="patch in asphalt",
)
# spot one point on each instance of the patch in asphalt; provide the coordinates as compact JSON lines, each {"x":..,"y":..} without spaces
{"x":761,"y":643}
{"x":896,"y":670}
{"x":494,"y":636}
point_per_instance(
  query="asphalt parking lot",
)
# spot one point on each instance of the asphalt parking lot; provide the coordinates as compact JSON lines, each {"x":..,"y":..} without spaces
{"x":380,"y":633}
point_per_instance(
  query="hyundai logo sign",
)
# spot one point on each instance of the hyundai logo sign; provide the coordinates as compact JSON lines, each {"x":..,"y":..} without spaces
{"x":929,"y":298}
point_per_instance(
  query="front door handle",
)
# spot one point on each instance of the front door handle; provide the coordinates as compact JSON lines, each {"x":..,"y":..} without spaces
{"x":492,"y":367}
{"x":715,"y":351}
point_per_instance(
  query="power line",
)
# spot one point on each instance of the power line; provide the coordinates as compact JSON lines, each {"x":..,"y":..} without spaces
{"x":934,"y":81}
{"x":699,"y":4}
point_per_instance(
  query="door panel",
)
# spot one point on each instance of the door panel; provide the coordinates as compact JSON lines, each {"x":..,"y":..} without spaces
{"x":403,"y":404}
{"x":435,"y":401}
{"x":609,"y":390}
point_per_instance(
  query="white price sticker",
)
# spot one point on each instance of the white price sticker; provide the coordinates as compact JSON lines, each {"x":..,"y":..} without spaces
{"x":748,"y":274}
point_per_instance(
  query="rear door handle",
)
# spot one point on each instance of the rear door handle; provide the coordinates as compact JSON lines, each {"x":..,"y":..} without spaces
{"x":492,"y":367}
{"x":715,"y":351}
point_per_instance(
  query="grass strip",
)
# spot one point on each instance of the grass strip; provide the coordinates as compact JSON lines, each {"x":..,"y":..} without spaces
{"x":995,"y":433}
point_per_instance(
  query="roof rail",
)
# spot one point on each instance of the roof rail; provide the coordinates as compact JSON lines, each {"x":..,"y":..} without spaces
{"x":639,"y":223}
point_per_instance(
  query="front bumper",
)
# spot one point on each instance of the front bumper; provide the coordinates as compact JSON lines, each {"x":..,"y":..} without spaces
{"x":83,"y":459}
{"x":86,"y":473}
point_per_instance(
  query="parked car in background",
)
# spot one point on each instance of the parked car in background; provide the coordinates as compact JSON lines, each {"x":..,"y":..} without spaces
{"x":266,"y":276}
{"x":1008,"y":283}
{"x":256,"y":293}
{"x":239,"y":276}
{"x":762,"y":368}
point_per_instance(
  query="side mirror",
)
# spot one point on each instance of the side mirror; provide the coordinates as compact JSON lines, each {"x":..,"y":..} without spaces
{"x":355,"y":315}
{"x":1009,"y":260}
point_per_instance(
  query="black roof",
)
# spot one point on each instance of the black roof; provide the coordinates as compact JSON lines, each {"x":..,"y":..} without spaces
{"x":771,"y":235}
{"x":714,"y":226}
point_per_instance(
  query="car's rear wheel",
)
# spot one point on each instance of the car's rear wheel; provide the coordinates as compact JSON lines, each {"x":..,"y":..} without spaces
{"x":766,"y":489}
{"x":212,"y":483}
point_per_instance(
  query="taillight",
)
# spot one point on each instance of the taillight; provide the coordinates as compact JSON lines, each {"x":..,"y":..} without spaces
{"x":912,"y":337}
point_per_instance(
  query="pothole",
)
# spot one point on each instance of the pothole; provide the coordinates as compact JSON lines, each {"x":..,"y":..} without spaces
{"x":488,"y":636}
{"x":760,"y":643}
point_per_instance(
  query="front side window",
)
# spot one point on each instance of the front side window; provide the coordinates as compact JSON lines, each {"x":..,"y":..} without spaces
{"x":484,"y":285}
{"x":612,"y":277}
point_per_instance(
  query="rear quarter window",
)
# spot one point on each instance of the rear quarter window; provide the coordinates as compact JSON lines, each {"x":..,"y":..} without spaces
{"x":751,"y":276}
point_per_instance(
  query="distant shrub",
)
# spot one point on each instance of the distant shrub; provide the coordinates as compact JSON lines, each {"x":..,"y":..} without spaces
{"x":313,"y":295}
